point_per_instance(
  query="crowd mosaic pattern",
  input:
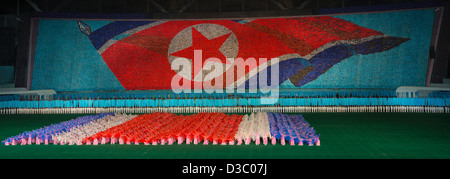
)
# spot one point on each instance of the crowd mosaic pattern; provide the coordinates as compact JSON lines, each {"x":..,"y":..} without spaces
{"x":306,"y":47}
{"x":138,"y":55}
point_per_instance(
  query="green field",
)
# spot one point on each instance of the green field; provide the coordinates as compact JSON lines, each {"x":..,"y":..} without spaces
{"x":343,"y":135}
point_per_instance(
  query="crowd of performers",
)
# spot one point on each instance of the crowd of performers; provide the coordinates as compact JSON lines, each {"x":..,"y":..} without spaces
{"x":168,"y":128}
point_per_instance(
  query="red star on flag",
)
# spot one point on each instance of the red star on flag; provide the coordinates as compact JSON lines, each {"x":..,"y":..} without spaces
{"x":210,"y":48}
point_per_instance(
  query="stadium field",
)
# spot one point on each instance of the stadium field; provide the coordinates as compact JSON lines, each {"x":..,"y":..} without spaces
{"x":342,"y":135}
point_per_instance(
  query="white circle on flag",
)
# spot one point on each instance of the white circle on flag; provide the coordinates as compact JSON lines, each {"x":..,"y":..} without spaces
{"x":183,"y":40}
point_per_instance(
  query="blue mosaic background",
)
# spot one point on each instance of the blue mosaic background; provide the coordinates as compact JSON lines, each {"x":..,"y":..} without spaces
{"x":405,"y":65}
{"x":66,"y":60}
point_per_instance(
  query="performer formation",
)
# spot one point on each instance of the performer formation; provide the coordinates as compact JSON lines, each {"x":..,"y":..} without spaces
{"x":168,"y":129}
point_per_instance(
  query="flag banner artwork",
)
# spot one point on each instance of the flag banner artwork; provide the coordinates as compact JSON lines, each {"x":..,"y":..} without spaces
{"x":142,"y":55}
{"x":317,"y":43}
{"x":168,"y":129}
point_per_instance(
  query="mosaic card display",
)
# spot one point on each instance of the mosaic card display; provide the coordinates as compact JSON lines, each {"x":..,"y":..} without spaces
{"x":346,"y":51}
